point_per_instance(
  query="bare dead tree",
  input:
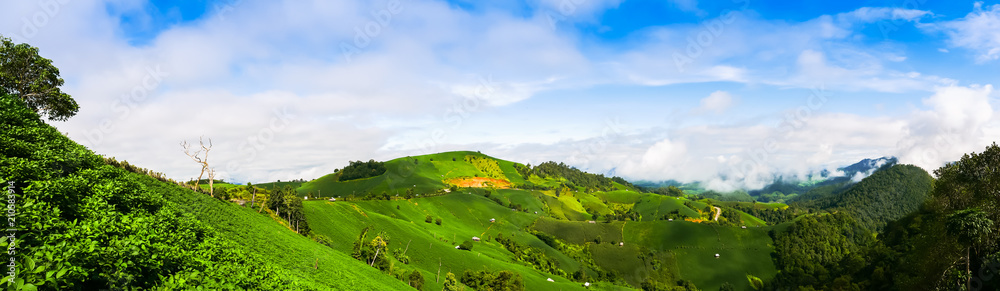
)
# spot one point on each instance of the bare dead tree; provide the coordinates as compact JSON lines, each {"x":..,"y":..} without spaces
{"x":200,"y":156}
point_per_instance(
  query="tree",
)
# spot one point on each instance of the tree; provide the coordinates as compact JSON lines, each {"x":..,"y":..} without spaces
{"x":466,"y":245}
{"x":971,"y":227}
{"x":33,"y":79}
{"x":417,"y":280}
{"x":428,"y":219}
{"x":438,"y":221}
{"x":200,"y":156}
{"x":450,"y":283}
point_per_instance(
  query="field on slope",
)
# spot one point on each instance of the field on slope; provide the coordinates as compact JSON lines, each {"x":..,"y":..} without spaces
{"x":424,"y":174}
{"x":692,"y":246}
{"x":277,"y":244}
{"x":431,"y":246}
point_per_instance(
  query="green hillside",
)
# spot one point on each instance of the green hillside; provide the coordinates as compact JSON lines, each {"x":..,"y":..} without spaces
{"x":886,"y":195}
{"x":88,"y":225}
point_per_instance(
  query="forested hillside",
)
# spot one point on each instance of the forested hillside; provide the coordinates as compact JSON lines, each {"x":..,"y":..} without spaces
{"x":886,"y":195}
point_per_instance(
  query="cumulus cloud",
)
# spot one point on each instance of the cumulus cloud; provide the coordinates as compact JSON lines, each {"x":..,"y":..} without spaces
{"x":717,"y":102}
{"x":960,"y":120}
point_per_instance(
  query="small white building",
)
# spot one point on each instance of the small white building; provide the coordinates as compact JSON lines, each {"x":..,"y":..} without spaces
{"x":550,"y":280}
{"x":621,"y":244}
{"x":457,"y":247}
{"x":744,"y":227}
{"x":716,"y":256}
{"x":493,"y":220}
{"x":333,"y":199}
{"x":586,"y":284}
{"x":591,"y":221}
{"x":475,"y":238}
{"x":670,"y":219}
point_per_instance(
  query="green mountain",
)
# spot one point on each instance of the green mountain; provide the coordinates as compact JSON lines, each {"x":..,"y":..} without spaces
{"x":886,"y":195}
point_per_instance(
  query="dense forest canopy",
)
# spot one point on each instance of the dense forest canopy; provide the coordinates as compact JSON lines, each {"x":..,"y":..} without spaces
{"x":360,"y":170}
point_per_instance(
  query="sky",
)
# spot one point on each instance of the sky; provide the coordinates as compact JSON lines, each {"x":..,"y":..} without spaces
{"x":730,"y":93}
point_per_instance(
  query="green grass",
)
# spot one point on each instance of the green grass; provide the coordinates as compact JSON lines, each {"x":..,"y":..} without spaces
{"x":692,"y":246}
{"x":653,"y":207}
{"x":279,"y":185}
{"x":742,"y":251}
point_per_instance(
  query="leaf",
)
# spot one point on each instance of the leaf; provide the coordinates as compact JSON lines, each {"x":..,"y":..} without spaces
{"x":29,"y":287}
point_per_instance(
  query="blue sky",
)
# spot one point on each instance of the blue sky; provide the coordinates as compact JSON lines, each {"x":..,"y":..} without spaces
{"x":731,"y":93}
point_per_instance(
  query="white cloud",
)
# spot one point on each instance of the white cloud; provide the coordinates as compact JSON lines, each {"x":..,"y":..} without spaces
{"x":978,"y":31}
{"x":959,"y":121}
{"x":875,"y":14}
{"x":225,"y":74}
{"x":717,"y":102}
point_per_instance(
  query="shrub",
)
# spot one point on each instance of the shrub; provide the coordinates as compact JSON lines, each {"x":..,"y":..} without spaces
{"x":466,"y":245}
{"x":438,"y":221}
{"x":428,"y":219}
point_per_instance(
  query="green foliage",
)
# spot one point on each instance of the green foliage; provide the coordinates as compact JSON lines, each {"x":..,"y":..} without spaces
{"x":437,"y":221}
{"x":578,"y":178}
{"x":970,"y":226}
{"x":416,"y":280}
{"x":485,"y":280}
{"x":814,"y":247}
{"x":770,"y":215}
{"x":886,"y":195}
{"x":533,"y":257}
{"x":85,"y":224}
{"x":450,"y":283}
{"x":34,"y":80}
{"x":360,"y":170}
{"x":466,"y":245}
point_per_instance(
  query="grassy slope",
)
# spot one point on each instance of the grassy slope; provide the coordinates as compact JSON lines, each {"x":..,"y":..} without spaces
{"x":276,"y":243}
{"x":743,"y":251}
{"x":425,"y":173}
{"x":464,"y":216}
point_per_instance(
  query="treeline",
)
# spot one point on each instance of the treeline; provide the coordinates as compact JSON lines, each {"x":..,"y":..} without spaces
{"x":575,"y":177}
{"x":360,"y":170}
{"x":486,"y":280}
{"x":771,"y":216}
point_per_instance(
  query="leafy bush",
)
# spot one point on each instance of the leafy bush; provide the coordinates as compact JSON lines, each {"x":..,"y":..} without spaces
{"x":466,"y":245}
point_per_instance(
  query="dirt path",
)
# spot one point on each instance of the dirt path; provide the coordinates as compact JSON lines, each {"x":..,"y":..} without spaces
{"x":718,"y":211}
